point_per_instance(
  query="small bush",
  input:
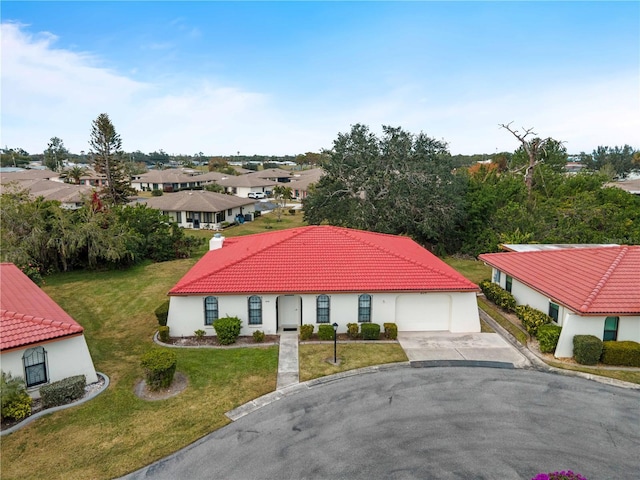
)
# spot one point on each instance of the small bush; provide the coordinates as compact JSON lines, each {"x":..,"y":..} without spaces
{"x":64,"y":391}
{"x":199,"y":334}
{"x":258,"y":336}
{"x":15,"y":402}
{"x":306,"y":331}
{"x":163,"y":334}
{"x":498,"y":295}
{"x":623,"y":353}
{"x":162,"y":313}
{"x":159,"y":366}
{"x":587,"y":349}
{"x":531,"y":318}
{"x":390,"y":331}
{"x":156,"y":193}
{"x":292,"y":211}
{"x":325,"y":332}
{"x":353,"y":330}
{"x":227,"y":329}
{"x":548,"y":336}
{"x":370,"y":331}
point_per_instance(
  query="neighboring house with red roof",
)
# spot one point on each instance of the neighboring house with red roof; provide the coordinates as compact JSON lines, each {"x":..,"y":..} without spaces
{"x":588,"y":291}
{"x":322,"y":274}
{"x":39,"y":341}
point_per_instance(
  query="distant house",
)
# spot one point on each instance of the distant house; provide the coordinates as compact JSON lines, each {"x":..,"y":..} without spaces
{"x":70,"y":196}
{"x":39,"y":341}
{"x":302,"y":180}
{"x":587,"y":291}
{"x":202,"y":209}
{"x":174,"y":179}
{"x":274,"y":174}
{"x":631,"y":185}
{"x":321,"y":275}
{"x":243,"y":185}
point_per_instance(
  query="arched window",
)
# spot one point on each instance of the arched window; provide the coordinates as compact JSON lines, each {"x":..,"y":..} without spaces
{"x":210,"y":310}
{"x":364,"y":308}
{"x":255,"y":310}
{"x":35,"y":366}
{"x":323,"y":306}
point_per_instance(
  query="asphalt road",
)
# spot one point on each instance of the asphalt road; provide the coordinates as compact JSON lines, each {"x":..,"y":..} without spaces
{"x":429,"y":423}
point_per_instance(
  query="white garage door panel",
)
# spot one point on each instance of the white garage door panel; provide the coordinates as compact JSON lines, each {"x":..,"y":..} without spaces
{"x":423,"y":313}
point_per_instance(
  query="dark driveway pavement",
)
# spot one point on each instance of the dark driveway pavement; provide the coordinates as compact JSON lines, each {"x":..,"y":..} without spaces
{"x":433,"y":423}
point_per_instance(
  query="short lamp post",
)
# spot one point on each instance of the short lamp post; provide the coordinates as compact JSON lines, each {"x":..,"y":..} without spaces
{"x":335,"y":336}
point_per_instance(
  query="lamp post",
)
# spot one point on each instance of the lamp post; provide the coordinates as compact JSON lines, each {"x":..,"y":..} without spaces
{"x":335,"y":336}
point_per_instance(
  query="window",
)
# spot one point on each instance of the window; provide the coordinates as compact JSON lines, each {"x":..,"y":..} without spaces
{"x":364,"y":308}
{"x":220,"y":217}
{"x":255,"y":310}
{"x":553,"y":311}
{"x":322,"y":309}
{"x":610,"y":328}
{"x":508,"y":283}
{"x":179,"y":217}
{"x":230,"y":212}
{"x":210,"y":310}
{"x":496,"y":276}
{"x":35,"y":366}
{"x":206,"y":217}
{"x":189,"y":217}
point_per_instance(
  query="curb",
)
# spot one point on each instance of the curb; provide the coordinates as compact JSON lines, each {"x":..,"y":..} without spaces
{"x":42,"y":413}
{"x":461,"y":363}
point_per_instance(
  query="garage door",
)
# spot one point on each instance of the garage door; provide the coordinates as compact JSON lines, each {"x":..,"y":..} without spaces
{"x":423,"y":313}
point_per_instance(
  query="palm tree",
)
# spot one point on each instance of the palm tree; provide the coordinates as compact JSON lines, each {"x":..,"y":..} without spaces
{"x":281,"y":194}
{"x":75,"y":173}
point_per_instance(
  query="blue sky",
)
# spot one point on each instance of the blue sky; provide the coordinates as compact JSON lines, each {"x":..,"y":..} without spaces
{"x":281,"y":78}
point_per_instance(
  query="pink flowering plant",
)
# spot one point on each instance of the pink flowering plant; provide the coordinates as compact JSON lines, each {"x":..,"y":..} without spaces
{"x":563,"y":475}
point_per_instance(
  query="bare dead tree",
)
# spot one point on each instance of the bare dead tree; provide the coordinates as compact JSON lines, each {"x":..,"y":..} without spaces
{"x":533,"y":148}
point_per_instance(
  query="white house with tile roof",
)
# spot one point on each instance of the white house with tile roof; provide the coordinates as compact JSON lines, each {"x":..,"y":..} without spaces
{"x":318,"y":275}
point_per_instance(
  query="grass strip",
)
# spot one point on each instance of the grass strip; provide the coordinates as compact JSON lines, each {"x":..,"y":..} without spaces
{"x":504,"y":322}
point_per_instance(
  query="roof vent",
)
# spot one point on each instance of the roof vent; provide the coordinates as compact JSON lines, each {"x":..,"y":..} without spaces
{"x":216,"y":242}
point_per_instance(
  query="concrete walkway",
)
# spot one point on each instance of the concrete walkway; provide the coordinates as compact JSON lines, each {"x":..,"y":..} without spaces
{"x":288,"y":360}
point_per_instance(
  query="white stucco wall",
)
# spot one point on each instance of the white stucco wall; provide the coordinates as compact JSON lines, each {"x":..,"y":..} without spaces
{"x":209,"y":225}
{"x":65,"y":358}
{"x":186,"y":314}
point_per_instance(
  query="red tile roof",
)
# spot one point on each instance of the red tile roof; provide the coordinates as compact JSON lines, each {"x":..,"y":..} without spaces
{"x":320,"y":259}
{"x":589,"y":281}
{"x":27,"y":314}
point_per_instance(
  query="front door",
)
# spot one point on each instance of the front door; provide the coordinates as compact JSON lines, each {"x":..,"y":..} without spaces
{"x":289,"y":312}
{"x":196,"y":219}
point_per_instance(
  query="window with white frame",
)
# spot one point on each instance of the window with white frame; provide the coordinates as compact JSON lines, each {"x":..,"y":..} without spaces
{"x":255,"y":310}
{"x":323,"y":307}
{"x":35,"y":366}
{"x":610,"y":328}
{"x":364,"y":308}
{"x":210,"y":310}
{"x":508,"y":283}
{"x":496,"y":276}
{"x":554,"y":309}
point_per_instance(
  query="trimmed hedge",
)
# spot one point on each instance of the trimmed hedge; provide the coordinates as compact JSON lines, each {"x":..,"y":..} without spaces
{"x":162,"y":313}
{"x":498,"y":295}
{"x":227,"y":329}
{"x":64,"y":391}
{"x":548,"y":336}
{"x":258,"y":336}
{"x":531,"y":318}
{"x":624,"y":353}
{"x":370,"y":331}
{"x":587,"y":349}
{"x":353,"y":330}
{"x":390,"y":331}
{"x":163,"y":334}
{"x":159,"y":366}
{"x":306,"y":331}
{"x":325,"y":332}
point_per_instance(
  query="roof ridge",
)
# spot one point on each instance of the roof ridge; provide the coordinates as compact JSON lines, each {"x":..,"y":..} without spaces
{"x":244,"y":257}
{"x":605,"y":278}
{"x":41,"y":320}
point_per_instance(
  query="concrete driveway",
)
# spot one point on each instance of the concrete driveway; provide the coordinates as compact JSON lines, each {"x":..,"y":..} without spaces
{"x":473,"y":349}
{"x":424,"y":423}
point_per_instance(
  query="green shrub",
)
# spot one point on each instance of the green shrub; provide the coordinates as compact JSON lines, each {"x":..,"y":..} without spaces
{"x":548,"y":336}
{"x":162,"y":313}
{"x":159,"y":366}
{"x":163,"y":334}
{"x":64,"y":391}
{"x":227,"y":329}
{"x":15,"y":402}
{"x":325,"y":332}
{"x":587,"y":349}
{"x":258,"y":336}
{"x":390,"y":331}
{"x":353,"y":330}
{"x":199,"y":334}
{"x":370,"y":331}
{"x":306,"y":331}
{"x":623,"y":353}
{"x":498,"y":295}
{"x":292,"y":211}
{"x":531,"y":318}
{"x":156,"y":192}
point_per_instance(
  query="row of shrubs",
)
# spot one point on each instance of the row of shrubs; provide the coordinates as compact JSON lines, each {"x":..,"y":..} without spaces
{"x":589,"y":350}
{"x":365,"y":331}
{"x":498,"y":295}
